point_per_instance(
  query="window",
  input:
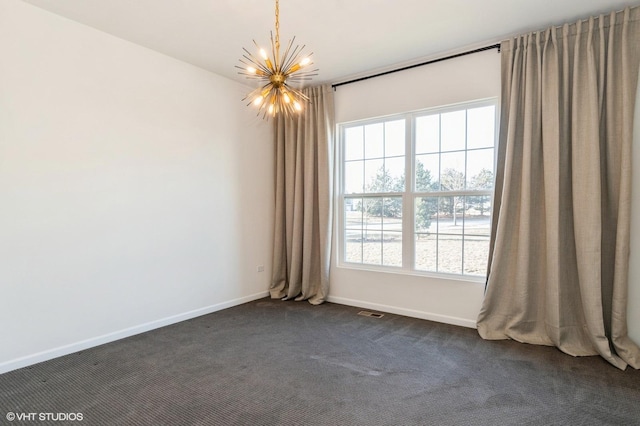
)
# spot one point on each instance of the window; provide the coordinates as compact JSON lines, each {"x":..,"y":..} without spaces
{"x":417,"y":190}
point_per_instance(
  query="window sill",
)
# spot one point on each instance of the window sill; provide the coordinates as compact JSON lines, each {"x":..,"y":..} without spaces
{"x":402,"y":271}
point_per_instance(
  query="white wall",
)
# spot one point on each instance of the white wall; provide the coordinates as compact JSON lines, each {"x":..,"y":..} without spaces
{"x":457,"y":302}
{"x":135,"y":190}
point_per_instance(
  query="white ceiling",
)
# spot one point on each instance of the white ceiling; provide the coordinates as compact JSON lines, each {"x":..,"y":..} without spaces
{"x":348,"y":38}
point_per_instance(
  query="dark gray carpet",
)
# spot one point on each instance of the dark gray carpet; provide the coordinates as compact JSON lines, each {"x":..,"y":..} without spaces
{"x":287,"y":363}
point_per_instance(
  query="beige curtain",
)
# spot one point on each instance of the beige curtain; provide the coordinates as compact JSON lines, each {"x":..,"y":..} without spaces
{"x":560,"y":255}
{"x":302,"y":240}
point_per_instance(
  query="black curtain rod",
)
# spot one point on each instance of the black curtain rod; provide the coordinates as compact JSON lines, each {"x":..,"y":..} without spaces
{"x":433,"y":61}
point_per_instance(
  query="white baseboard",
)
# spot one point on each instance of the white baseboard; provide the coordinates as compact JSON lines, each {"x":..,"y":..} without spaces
{"x":463,"y":322}
{"x":121,"y":334}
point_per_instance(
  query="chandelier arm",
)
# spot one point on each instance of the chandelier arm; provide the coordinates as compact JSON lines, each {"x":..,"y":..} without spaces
{"x":300,"y":94}
{"x":285,"y":58}
{"x":298,"y":79}
{"x":265,"y":100}
{"x":255,"y":44}
{"x":251,"y":96}
{"x":253,"y":59}
{"x":292,"y":58}
{"x":297,"y":57}
{"x":302,"y":74}
{"x":256,"y":64}
{"x":305,"y":73}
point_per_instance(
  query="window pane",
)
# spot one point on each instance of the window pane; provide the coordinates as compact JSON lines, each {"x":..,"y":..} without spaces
{"x":452,"y":172}
{"x":372,"y":220}
{"x":392,"y":248}
{"x":372,"y":249}
{"x":372,"y":230}
{"x":453,"y":131}
{"x":373,"y":141}
{"x":353,"y":246}
{"x":451,"y":215}
{"x":450,"y":253}
{"x":427,"y":172}
{"x":353,"y":213}
{"x":353,"y":229}
{"x":481,"y":127}
{"x":478,"y":215}
{"x":476,"y":253}
{"x":457,"y":225}
{"x":426,"y":214}
{"x":394,"y":180}
{"x":374,"y":176}
{"x":428,"y":134}
{"x":353,"y":143}
{"x":394,"y":139}
{"x":426,"y":252}
{"x":392,"y":214}
{"x":354,"y":177}
{"x":480,"y":169}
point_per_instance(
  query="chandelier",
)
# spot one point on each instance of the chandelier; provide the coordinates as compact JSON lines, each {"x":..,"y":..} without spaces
{"x":276,"y":75}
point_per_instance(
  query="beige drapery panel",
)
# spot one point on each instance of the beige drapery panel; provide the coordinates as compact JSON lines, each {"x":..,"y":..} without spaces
{"x":560,"y":254}
{"x":302,"y":239}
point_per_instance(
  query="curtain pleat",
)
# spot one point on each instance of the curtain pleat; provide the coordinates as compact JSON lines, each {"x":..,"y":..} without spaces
{"x":559,"y":253}
{"x":303,"y":215}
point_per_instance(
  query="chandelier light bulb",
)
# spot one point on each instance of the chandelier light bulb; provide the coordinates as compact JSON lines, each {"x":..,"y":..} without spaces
{"x":297,"y":106}
{"x":258,"y":101}
{"x":251,"y":70}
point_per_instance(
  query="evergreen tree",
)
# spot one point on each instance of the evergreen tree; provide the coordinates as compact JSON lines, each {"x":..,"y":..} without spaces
{"x":423,"y":178}
{"x":426,"y":206}
{"x":384,"y":182}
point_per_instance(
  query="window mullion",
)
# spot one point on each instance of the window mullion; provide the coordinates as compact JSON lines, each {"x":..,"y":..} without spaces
{"x":408,"y":216}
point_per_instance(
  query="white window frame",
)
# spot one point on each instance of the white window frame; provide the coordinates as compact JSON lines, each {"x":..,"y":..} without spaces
{"x":409,"y":194}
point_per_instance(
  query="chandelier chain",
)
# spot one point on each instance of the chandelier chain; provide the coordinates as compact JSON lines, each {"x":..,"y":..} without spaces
{"x":277,"y":26}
